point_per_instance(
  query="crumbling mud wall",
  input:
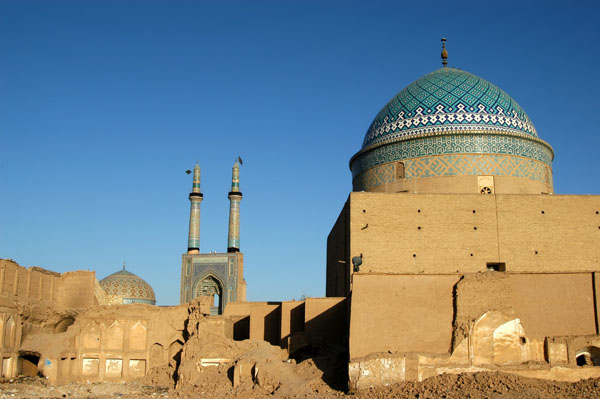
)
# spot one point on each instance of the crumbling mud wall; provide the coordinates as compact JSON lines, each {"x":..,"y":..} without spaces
{"x":36,"y":300}
{"x":541,"y":325}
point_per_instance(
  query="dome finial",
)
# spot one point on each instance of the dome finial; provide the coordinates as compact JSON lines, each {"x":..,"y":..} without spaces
{"x":444,"y":53}
{"x":123,"y":265}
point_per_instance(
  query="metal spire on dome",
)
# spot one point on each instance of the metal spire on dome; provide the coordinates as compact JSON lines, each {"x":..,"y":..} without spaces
{"x":123,"y":265}
{"x":444,"y":53}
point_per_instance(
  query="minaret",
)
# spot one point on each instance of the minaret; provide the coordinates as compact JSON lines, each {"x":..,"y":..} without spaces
{"x":235,"y":196}
{"x":195,"y":199}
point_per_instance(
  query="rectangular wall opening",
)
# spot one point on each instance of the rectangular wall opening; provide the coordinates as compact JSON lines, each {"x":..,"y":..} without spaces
{"x":496,"y":267}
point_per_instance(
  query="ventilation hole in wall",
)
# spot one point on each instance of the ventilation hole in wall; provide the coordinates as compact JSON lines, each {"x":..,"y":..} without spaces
{"x":523,"y":340}
{"x":536,"y":252}
{"x":475,"y":228}
{"x":364,"y":210}
{"x":471,"y":254}
{"x":473,"y":210}
{"x":497,"y":267}
{"x":414,"y":255}
{"x":596,"y":212}
{"x":419,"y":211}
{"x":543,"y":212}
{"x":419,"y":227}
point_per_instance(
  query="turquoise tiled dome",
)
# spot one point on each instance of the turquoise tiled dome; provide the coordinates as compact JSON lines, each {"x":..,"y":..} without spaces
{"x":125,"y":287}
{"x":448,"y":100}
{"x":451,"y":123}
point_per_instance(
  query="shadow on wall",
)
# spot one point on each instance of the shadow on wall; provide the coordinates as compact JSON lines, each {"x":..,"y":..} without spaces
{"x":272,"y":325}
{"x":326,"y":338}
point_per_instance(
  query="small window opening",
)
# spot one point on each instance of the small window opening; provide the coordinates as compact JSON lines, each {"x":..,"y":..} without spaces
{"x":523,"y":340}
{"x":399,"y":170}
{"x":543,"y":212}
{"x":497,"y":267}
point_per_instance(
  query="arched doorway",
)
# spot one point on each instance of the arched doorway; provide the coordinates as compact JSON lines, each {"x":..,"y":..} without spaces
{"x":588,"y":356}
{"x":211,"y":287}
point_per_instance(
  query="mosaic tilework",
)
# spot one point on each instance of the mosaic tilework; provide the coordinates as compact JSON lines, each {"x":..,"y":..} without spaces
{"x":453,"y":165}
{"x":126,"y":285}
{"x":444,"y":99}
{"x":452,"y":144}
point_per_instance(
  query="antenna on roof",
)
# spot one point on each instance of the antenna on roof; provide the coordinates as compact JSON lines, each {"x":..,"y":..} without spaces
{"x":444,"y":53}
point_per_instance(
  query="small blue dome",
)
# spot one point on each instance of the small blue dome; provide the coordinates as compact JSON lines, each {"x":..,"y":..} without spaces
{"x":448,"y":100}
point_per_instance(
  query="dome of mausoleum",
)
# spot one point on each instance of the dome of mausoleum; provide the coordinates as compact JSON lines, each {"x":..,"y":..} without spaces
{"x":124,"y":287}
{"x":451,"y":123}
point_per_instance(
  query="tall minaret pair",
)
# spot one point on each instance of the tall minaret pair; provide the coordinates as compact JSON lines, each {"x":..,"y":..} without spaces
{"x":235,"y":196}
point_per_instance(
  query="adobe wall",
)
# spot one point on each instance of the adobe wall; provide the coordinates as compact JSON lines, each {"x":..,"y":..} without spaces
{"x":292,"y":324}
{"x":34,"y":284}
{"x":115,"y":342}
{"x":442,"y":233}
{"x":77,"y":289}
{"x":326,"y":320}
{"x":338,"y":256}
{"x":431,"y":324}
{"x":401,"y":313}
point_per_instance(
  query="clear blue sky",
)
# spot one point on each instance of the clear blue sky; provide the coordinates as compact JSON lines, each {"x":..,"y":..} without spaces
{"x":105,"y":104}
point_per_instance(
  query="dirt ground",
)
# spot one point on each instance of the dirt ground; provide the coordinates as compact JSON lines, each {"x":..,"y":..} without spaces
{"x":478,"y":385}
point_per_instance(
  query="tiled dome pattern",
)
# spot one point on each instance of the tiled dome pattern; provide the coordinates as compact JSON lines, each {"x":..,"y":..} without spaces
{"x":448,"y":101}
{"x":127,"y":287}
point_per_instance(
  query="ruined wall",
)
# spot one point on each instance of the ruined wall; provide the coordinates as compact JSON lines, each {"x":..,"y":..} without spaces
{"x":77,"y":289}
{"x":445,"y":233}
{"x":33,"y":300}
{"x":116,"y":342}
{"x":432,"y":324}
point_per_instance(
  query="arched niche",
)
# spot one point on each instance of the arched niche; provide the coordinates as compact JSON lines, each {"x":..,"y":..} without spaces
{"x":90,"y":336}
{"x":10,"y":332}
{"x":157,"y":355}
{"x":212,"y":287}
{"x":115,"y":336}
{"x":588,"y":356}
{"x":137,"y":336}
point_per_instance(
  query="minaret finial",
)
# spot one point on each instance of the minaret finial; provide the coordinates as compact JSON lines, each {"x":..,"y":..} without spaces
{"x":444,"y":53}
